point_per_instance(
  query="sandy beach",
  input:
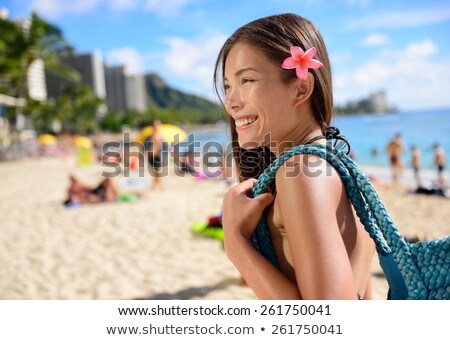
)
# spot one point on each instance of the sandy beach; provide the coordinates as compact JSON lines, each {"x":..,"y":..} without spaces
{"x":144,"y":249}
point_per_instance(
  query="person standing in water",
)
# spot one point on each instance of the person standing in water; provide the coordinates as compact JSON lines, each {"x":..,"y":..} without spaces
{"x":415,"y":163}
{"x":395,"y":149}
{"x":439,"y":161}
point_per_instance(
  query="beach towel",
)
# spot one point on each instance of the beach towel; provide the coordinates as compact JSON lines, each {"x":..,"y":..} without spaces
{"x":120,"y":199}
{"x":414,"y":271}
{"x":211,"y":228}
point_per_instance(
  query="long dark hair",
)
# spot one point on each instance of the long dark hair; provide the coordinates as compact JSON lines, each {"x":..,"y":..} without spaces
{"x":273,"y":36}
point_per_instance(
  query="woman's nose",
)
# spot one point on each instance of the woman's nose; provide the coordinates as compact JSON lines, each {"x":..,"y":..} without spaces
{"x":234,"y":100}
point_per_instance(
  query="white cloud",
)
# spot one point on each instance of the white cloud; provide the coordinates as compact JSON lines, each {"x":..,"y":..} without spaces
{"x":411,"y":77}
{"x":315,"y":3}
{"x":167,"y":8}
{"x":372,"y":74}
{"x":193,"y":61}
{"x":340,"y":58}
{"x":361,"y":3}
{"x":375,"y":39}
{"x":404,"y":19}
{"x":58,"y":8}
{"x":424,"y":49}
{"x":123,"y":5}
{"x":133,"y":60}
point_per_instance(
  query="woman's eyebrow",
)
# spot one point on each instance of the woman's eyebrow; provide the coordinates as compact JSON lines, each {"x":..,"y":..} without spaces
{"x":242,"y":70}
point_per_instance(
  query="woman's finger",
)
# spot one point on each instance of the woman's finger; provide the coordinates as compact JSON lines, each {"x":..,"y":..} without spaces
{"x":265,"y":199}
{"x":245,"y":188}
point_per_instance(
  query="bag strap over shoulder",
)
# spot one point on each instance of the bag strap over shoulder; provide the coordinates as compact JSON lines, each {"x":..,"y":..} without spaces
{"x":267,"y":177}
{"x":371,"y":212}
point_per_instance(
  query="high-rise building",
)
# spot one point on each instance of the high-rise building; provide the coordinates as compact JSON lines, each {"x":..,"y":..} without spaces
{"x":378,"y":102}
{"x":124,"y":92}
{"x":136,"y":93}
{"x":89,"y":66}
{"x":36,"y":80}
{"x":36,"y":73}
{"x":115,"y":88}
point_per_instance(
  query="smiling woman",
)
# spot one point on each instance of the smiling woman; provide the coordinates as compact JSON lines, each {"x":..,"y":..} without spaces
{"x":278,"y":97}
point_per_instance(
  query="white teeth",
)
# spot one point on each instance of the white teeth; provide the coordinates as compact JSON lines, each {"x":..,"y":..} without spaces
{"x":244,"y":122}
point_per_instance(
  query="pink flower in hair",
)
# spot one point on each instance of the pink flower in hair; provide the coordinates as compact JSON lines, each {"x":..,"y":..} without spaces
{"x":301,"y":61}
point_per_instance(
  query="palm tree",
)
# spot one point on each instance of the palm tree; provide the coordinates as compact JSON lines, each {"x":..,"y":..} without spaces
{"x":9,"y":61}
{"x":75,"y":109}
{"x":23,"y":43}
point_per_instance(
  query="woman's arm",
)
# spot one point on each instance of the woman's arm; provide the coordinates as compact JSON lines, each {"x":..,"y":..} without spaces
{"x":308,"y":198}
{"x":240,"y":217}
{"x":368,"y":293}
{"x":266,"y":281}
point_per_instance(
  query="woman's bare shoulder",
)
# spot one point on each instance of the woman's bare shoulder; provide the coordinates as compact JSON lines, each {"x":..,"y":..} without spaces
{"x":309,"y":174}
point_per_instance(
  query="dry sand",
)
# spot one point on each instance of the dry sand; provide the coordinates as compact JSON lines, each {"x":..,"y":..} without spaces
{"x":140,"y":250}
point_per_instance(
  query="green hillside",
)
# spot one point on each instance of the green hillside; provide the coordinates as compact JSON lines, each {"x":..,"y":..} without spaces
{"x":163,"y":96}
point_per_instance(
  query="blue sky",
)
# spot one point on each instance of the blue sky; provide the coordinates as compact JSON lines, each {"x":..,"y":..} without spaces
{"x":400,"y":46}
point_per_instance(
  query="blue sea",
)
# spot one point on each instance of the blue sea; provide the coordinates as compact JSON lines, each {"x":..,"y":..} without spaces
{"x":368,"y":132}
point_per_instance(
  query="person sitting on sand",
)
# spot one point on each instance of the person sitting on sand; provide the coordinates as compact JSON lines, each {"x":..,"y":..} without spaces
{"x":80,"y":193}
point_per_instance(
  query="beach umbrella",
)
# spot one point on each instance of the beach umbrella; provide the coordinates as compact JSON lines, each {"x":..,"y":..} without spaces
{"x":82,"y":142}
{"x":47,"y":139}
{"x":170,"y":133}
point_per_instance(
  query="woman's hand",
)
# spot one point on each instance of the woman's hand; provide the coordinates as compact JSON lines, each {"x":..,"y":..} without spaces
{"x":242,"y":213}
{"x":240,"y":217}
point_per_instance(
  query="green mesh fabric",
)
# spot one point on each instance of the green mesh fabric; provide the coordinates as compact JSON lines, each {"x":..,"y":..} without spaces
{"x":423,"y":266}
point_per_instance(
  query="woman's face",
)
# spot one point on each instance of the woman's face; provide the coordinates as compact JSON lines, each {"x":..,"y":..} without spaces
{"x":261,"y":105}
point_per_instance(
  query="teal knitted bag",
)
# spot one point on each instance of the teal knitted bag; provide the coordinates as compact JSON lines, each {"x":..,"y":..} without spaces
{"x":414,"y":271}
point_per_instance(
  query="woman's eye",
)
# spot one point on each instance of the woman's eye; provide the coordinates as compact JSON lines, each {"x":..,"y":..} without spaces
{"x":246,"y":80}
{"x":226,"y":87}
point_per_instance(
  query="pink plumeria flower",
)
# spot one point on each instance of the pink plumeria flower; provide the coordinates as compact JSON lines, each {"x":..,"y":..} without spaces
{"x":301,"y":61}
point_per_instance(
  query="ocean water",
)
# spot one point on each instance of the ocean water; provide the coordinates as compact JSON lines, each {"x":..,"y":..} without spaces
{"x":368,"y":132}
{"x":373,"y":131}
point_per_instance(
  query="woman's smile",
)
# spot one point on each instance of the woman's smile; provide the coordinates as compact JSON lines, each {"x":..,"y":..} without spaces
{"x":245,"y":122}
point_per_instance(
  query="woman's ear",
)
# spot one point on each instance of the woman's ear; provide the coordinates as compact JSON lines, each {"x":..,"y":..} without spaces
{"x":303,"y":89}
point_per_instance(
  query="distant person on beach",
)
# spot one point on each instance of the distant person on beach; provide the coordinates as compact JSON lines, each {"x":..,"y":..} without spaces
{"x":415,"y":163}
{"x":374,"y":152}
{"x":79,"y":193}
{"x":439,"y":161}
{"x":231,"y":174}
{"x":277,"y":97}
{"x":395,"y":149}
{"x":186,"y":163}
{"x":352,"y":154}
{"x":153,"y":146}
